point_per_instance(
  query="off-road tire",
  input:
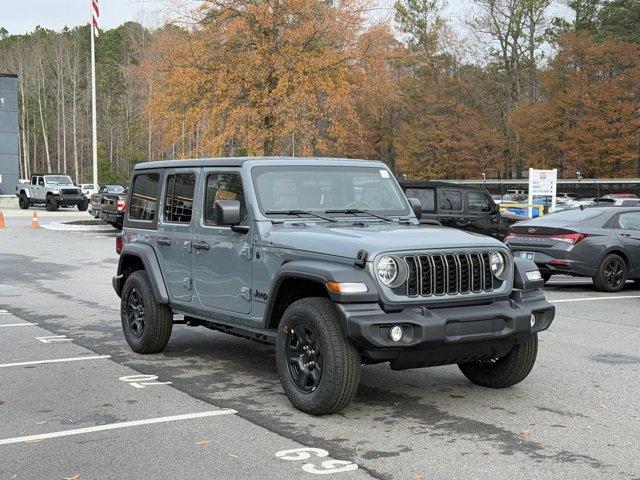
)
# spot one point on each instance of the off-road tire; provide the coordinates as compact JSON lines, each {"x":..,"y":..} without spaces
{"x":341,"y":361}
{"x":51,"y":204}
{"x":504,"y":371}
{"x":23,"y":201}
{"x":158,"y":318}
{"x":600,"y":278}
{"x":82,"y":207}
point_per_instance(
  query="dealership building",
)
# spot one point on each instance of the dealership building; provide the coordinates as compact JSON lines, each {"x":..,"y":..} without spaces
{"x":9,"y":148}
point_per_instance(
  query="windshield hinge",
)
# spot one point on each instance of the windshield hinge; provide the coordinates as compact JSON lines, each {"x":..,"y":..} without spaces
{"x":361,"y":259}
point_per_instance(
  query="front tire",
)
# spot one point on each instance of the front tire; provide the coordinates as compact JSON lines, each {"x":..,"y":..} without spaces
{"x":51,"y":204}
{"x":504,"y":371}
{"x":319,"y":367}
{"x":612,"y":274}
{"x":23,"y":201}
{"x":146,"y":323}
{"x":83,"y":206}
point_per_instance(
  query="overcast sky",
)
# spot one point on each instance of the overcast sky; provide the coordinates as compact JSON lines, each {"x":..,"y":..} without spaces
{"x":22,"y":16}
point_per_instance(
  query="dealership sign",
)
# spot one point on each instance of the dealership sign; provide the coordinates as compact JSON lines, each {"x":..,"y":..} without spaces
{"x":542,"y":183}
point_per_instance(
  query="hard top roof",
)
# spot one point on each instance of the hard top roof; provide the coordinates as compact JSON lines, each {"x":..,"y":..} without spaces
{"x":435,"y":183}
{"x":239,"y":161}
{"x":50,"y":175}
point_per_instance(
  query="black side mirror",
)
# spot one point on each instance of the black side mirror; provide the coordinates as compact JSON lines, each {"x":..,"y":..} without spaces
{"x":227,"y":212}
{"x":416,"y":206}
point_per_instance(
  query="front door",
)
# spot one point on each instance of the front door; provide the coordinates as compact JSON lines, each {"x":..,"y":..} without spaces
{"x":483,"y":215}
{"x":222,"y":257}
{"x":175,"y":227}
{"x":628,"y":232}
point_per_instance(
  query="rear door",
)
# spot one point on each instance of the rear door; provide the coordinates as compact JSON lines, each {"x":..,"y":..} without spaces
{"x":628,"y":232}
{"x":451,"y":208}
{"x":222,"y":257}
{"x":173,"y":244}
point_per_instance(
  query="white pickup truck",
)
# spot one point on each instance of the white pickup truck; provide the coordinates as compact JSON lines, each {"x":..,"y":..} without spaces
{"x":52,"y":190}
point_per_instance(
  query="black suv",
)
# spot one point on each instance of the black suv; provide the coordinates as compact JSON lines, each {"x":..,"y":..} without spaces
{"x":461,"y":207}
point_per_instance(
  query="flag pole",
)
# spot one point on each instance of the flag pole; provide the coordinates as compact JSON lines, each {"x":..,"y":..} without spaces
{"x":93,"y":100}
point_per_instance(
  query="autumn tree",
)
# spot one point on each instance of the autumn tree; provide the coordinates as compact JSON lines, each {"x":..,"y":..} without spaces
{"x":590,"y":119}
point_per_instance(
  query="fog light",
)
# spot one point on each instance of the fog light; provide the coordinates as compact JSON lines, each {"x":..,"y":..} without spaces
{"x":533,"y":320}
{"x":395,"y":334}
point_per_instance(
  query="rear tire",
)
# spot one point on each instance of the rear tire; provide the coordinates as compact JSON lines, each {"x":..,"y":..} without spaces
{"x":51,"y":204}
{"x":23,"y":201}
{"x":612,"y":274}
{"x":319,"y":367}
{"x":504,"y":371}
{"x":146,"y":323}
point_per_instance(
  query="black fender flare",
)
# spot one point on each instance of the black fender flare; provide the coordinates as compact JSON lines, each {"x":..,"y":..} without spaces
{"x":147,"y":255}
{"x":323,"y":271}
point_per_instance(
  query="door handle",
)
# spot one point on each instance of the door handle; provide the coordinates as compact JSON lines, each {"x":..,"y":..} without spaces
{"x":201,"y":246}
{"x":625,"y":234}
{"x":163,"y":241}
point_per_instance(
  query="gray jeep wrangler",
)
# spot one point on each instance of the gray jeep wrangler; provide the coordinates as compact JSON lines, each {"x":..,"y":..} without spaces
{"x":326,"y":259}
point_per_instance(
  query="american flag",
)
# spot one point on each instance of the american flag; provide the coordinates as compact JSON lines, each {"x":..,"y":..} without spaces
{"x":95,"y":13}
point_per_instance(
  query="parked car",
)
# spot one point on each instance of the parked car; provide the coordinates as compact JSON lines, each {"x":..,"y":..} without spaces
{"x":88,"y":189}
{"x":326,"y":259}
{"x":620,"y":195}
{"x":52,"y":190}
{"x":599,"y":242}
{"x":113,"y":207}
{"x":96,"y":198}
{"x":460,"y":207}
{"x":566,"y":196}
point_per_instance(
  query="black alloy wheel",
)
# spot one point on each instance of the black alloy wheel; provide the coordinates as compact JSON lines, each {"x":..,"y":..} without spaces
{"x":135,"y":313}
{"x":304,"y":358}
{"x":614,"y":273}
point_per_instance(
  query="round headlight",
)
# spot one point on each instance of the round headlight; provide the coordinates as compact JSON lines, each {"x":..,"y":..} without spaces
{"x":498,"y":265}
{"x":387,"y":270}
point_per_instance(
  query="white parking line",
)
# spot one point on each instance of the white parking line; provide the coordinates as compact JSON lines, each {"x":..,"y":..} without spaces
{"x":55,"y":360}
{"x":113,"y":426}
{"x":593,"y":299}
{"x":19,"y":325}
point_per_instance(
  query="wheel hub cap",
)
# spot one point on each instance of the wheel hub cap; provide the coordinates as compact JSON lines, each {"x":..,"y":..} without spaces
{"x":304,"y":358}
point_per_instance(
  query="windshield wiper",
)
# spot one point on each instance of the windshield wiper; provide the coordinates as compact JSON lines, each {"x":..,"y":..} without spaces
{"x":299,"y":213}
{"x":355,"y":211}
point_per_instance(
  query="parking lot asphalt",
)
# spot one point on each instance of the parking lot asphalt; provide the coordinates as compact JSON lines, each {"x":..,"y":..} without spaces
{"x":576,"y":416}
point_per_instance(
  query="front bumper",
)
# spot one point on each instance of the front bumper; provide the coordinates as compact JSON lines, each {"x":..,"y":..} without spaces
{"x":440,"y":336}
{"x":67,"y":200}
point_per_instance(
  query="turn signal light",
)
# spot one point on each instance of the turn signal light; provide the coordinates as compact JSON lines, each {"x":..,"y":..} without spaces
{"x":571,"y":238}
{"x":347,"y":287}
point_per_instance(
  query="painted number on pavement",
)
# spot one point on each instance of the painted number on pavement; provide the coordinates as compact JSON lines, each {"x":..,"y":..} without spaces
{"x":326,"y":467}
{"x":142,"y":381}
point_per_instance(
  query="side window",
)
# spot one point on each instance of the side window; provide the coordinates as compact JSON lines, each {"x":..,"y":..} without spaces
{"x":629,"y":221}
{"x":41,"y":181}
{"x":144,"y":197}
{"x":426,"y":197}
{"x":178,"y":198}
{"x":478,"y":202}
{"x":223,"y":186}
{"x":450,"y":200}
{"x":34,"y":180}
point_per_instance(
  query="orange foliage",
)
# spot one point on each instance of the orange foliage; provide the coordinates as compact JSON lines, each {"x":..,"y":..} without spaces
{"x":590,"y":119}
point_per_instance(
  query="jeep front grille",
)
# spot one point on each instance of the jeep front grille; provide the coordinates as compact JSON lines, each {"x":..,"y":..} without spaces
{"x":69,"y":191}
{"x":448,"y":274}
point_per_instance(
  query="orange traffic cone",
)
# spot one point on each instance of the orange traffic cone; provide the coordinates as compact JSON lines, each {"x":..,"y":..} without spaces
{"x":2,"y":225}
{"x":35,"y":223}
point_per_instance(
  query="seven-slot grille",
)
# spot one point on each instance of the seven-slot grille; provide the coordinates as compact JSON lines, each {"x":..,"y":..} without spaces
{"x":69,"y":191}
{"x":448,"y":274}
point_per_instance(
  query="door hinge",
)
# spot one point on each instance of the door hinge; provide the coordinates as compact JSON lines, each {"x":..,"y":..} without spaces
{"x":245,"y":292}
{"x":245,"y":251}
{"x":187,"y":283}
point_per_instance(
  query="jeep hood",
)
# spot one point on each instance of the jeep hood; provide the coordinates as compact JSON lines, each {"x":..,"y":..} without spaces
{"x":376,"y":238}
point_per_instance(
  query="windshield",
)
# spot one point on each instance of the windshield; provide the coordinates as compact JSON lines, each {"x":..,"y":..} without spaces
{"x":115,"y":189}
{"x":58,"y":180}
{"x":321,"y":188}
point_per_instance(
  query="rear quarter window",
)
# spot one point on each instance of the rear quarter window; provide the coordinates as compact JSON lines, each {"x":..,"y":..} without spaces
{"x":143,"y":204}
